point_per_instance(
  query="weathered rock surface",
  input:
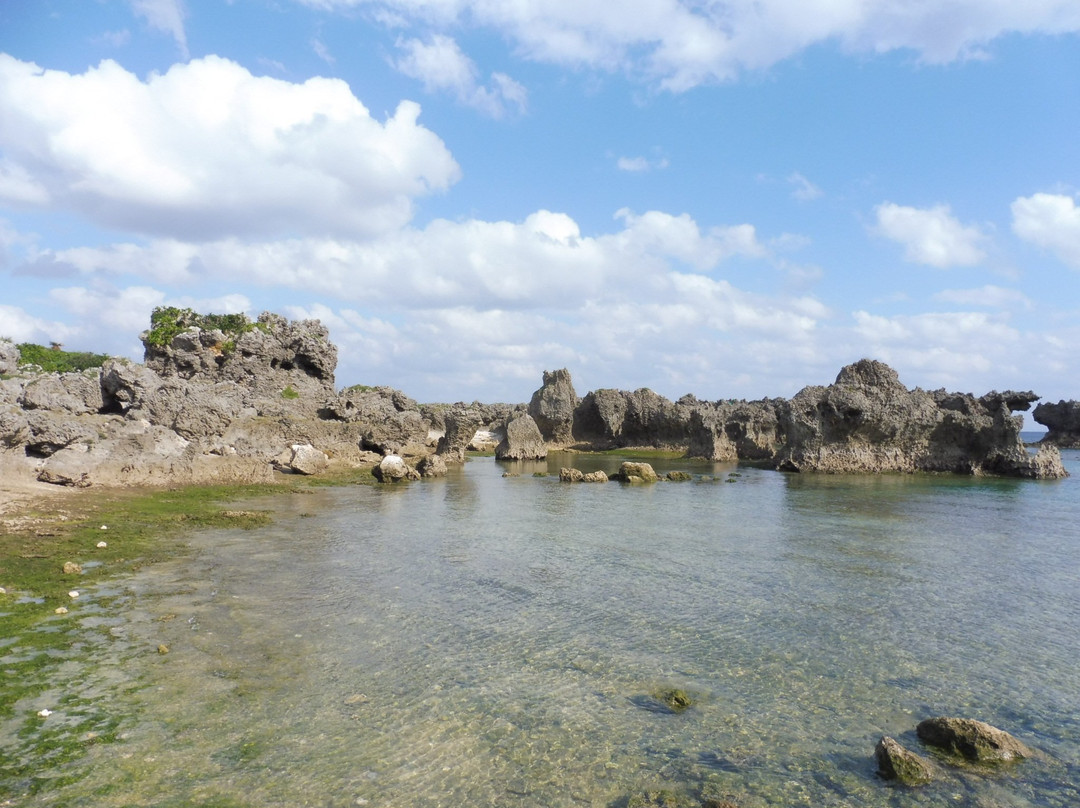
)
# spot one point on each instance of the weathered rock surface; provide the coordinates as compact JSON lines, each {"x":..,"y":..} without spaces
{"x":552,"y":407}
{"x":895,"y":762}
{"x":632,"y":472}
{"x":523,"y":440}
{"x":392,"y":420}
{"x":9,"y":356}
{"x":273,"y":355}
{"x":614,"y":418}
{"x":460,"y":426}
{"x":394,"y":469}
{"x":307,"y":460}
{"x":432,"y":466}
{"x":868,"y":422}
{"x":1062,"y":421}
{"x":972,"y":740}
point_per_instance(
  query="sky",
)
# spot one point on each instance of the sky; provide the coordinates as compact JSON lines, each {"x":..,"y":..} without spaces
{"x":730,"y":198}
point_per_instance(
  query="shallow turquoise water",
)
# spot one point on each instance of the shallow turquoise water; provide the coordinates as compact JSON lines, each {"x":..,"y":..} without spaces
{"x":489,"y":640}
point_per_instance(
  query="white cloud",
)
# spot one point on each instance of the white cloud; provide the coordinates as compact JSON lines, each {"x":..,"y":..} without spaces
{"x":19,"y":325}
{"x":679,"y":44}
{"x":1052,"y":221}
{"x":930,"y":236}
{"x":166,"y":16}
{"x":802,"y":188}
{"x":989,"y":296}
{"x":442,"y":67}
{"x":640,"y":164}
{"x":208,"y":149}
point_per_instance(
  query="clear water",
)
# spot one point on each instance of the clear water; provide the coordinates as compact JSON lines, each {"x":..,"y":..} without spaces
{"x":499,"y":641}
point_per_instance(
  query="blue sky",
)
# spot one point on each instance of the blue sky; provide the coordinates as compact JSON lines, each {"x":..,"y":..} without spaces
{"x":729,"y":198}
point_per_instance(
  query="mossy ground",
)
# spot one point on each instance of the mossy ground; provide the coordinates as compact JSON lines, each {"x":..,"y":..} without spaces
{"x":36,"y":644}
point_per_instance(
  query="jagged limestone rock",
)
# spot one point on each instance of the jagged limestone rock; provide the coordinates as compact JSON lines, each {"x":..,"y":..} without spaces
{"x":523,"y":441}
{"x":1062,"y":421}
{"x":552,"y":407}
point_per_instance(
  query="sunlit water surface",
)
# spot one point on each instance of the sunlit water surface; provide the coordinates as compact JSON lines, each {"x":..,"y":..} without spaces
{"x":498,"y":641}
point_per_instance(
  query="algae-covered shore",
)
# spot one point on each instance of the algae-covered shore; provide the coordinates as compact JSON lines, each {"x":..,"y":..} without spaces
{"x":57,"y":546}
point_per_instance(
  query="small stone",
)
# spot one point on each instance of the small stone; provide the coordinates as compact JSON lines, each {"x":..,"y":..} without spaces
{"x":163,"y":649}
{"x":104,"y":527}
{"x":73,"y":593}
{"x":45,"y":713}
{"x":900,"y":764}
{"x":71,"y":568}
{"x":3,"y":591}
{"x":61,"y":610}
{"x":676,"y":700}
{"x":102,"y":545}
{"x":356,"y":698}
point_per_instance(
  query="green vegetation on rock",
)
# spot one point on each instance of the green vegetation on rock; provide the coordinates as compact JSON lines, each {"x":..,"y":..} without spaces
{"x":56,"y":360}
{"x":168,"y":321}
{"x":289,"y":393}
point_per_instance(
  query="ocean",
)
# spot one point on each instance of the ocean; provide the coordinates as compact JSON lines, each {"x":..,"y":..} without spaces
{"x":491,"y":640}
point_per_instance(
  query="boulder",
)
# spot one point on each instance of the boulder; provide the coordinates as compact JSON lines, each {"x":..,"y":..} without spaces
{"x":634,"y":472}
{"x":552,"y":407}
{"x":306,"y":459}
{"x":598,"y":476}
{"x":432,"y":466}
{"x":569,"y":475}
{"x":394,"y":469}
{"x":902,"y":765}
{"x":973,"y":740}
{"x":1062,"y":421}
{"x":48,"y":432}
{"x":678,"y":476}
{"x":523,"y":441}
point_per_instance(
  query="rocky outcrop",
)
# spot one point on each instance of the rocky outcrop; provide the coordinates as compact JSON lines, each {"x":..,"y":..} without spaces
{"x":394,"y":469}
{"x":614,"y":418}
{"x":523,"y":440}
{"x":392,"y":421}
{"x":459,"y":428}
{"x":747,"y":430}
{"x":268,"y":357}
{"x":1062,"y":421}
{"x":895,"y":762}
{"x":220,"y":398}
{"x":552,"y":407}
{"x":972,"y":740}
{"x":9,"y":356}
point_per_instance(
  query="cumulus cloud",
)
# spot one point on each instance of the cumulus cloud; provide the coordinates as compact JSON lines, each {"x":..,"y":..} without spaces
{"x":1051,"y":221}
{"x":931,"y":236}
{"x":208,"y":149}
{"x":679,"y":44}
{"x":442,"y":67}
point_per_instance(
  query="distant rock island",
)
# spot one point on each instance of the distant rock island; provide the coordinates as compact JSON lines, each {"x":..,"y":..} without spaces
{"x":221,"y":398}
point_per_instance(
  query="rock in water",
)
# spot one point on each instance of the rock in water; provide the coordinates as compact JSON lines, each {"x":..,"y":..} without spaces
{"x":523,"y":441}
{"x":394,"y":469}
{"x":432,"y":466}
{"x":459,"y":429}
{"x":973,"y":740}
{"x":631,"y":472}
{"x":900,"y":764}
{"x":552,"y":407}
{"x":1062,"y":421}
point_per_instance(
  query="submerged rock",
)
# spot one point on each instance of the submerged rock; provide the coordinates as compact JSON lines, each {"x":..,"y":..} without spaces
{"x":895,"y":762}
{"x":570,"y":475}
{"x":972,"y":740}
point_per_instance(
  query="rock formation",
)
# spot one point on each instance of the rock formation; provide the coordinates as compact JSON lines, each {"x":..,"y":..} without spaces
{"x":973,"y":740}
{"x":614,"y":418}
{"x":219,"y":399}
{"x":867,"y":421}
{"x":631,"y":472}
{"x":459,"y":428}
{"x":552,"y":407}
{"x":1062,"y":421}
{"x":900,"y":764}
{"x":523,"y":440}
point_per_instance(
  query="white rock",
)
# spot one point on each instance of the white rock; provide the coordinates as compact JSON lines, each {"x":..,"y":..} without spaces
{"x":73,"y":594}
{"x":45,"y":713}
{"x":101,"y":545}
